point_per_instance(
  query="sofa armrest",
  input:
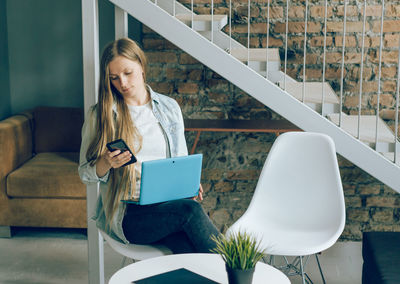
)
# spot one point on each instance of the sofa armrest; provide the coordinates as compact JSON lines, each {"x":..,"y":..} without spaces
{"x":15,"y":142}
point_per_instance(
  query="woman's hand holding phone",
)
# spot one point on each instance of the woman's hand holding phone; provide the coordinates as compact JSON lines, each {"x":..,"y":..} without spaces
{"x":117,"y":155}
{"x":119,"y":148}
{"x":109,"y":160}
{"x":117,"y":159}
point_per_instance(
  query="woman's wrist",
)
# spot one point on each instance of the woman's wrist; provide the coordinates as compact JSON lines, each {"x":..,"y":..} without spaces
{"x":102,"y":167}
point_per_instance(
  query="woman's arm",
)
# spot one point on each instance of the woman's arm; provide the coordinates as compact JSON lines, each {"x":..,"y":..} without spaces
{"x":181,"y":145}
{"x":99,"y":171}
{"x":87,"y":172}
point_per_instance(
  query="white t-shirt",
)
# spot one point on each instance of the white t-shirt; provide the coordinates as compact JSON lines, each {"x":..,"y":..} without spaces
{"x":154,"y":146}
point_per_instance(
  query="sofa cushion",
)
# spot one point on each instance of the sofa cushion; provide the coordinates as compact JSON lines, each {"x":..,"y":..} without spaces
{"x":47,"y":175}
{"x":381,"y":254}
{"x":15,"y":142}
{"x":57,"y":129}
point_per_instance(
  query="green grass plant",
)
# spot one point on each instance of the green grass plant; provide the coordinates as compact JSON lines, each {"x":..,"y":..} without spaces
{"x":239,"y":250}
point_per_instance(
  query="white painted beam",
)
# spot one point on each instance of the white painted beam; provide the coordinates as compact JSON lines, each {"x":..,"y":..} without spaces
{"x":90,"y":47}
{"x":121,"y":22}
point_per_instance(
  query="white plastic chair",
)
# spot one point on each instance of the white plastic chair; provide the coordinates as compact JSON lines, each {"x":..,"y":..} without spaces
{"x":135,"y":252}
{"x":298,"y":206}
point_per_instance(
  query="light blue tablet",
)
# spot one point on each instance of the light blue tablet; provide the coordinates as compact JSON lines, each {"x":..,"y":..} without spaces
{"x":170,"y":179}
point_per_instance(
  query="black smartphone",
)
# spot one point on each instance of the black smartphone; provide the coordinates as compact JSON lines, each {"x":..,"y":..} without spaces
{"x":121,"y":145}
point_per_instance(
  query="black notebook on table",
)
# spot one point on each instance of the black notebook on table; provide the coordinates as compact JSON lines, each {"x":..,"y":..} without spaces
{"x":179,"y":276}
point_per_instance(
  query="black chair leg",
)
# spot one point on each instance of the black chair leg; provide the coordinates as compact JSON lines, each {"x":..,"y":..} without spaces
{"x":320,"y":269}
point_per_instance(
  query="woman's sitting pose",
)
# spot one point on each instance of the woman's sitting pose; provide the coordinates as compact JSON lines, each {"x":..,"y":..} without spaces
{"x":152,"y":126}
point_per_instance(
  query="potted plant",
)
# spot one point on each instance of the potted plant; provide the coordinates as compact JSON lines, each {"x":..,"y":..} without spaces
{"x":241,"y":252}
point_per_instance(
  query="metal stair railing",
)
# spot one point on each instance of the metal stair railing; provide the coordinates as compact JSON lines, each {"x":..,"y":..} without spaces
{"x":324,"y":112}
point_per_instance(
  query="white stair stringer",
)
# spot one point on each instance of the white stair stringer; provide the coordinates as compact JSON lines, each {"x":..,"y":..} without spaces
{"x":261,"y":89}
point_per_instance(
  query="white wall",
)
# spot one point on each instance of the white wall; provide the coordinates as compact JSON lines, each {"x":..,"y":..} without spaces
{"x":43,"y":39}
{"x":5,"y":106}
{"x":44,"y":47}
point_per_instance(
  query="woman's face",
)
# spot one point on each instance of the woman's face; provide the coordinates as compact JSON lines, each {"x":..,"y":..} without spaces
{"x":127,"y":77}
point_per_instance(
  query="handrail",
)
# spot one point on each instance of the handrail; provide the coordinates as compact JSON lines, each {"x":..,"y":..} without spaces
{"x":248,"y":31}
{"x":396,"y":124}
{"x":230,"y":26}
{"x":361,"y":71}
{"x":267,"y":41}
{"x":305,"y":54}
{"x":212,"y":20}
{"x":342,"y":71}
{"x":324,"y":60}
{"x":286,"y":42}
{"x":379,"y":76}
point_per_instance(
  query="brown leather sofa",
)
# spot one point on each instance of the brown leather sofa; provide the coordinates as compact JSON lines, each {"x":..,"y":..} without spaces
{"x":39,"y":181}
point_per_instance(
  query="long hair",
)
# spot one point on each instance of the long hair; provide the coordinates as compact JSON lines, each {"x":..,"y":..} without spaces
{"x":112,"y":125}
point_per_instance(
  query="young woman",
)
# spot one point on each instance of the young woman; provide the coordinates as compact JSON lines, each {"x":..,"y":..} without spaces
{"x":152,"y":126}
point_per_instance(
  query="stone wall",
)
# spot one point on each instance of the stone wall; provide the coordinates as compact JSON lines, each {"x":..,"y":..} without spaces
{"x":233,"y":161}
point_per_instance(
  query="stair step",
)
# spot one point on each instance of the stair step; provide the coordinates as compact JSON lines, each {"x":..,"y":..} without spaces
{"x":256,"y":54}
{"x":203,"y":22}
{"x":390,"y":157}
{"x":313,"y":92}
{"x":367,"y":127}
{"x":278,"y":76}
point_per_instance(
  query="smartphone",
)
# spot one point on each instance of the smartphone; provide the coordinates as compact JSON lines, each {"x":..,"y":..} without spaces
{"x":121,"y":145}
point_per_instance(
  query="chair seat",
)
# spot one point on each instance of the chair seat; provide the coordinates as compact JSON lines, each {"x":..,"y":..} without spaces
{"x":279,"y":240}
{"x":136,"y":252}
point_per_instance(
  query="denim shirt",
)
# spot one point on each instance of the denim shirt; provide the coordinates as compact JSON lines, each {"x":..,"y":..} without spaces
{"x":169,"y":115}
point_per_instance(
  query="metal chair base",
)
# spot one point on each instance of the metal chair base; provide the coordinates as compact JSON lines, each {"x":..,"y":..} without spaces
{"x":296,"y":267}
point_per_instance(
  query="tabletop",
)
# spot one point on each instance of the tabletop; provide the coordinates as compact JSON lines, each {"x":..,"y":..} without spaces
{"x":211,"y":266}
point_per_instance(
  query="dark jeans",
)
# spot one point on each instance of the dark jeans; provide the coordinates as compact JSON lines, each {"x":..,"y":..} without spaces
{"x":181,"y":225}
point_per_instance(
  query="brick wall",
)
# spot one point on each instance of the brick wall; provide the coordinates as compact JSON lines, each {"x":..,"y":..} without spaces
{"x":233,"y":161}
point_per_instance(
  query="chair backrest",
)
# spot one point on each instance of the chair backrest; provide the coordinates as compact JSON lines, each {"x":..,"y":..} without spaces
{"x":300,"y":184}
{"x":136,"y":252}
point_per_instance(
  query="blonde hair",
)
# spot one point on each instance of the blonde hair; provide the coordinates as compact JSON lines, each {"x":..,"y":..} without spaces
{"x":111,"y":125}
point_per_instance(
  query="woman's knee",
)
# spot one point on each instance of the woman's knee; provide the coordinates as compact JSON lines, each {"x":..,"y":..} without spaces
{"x":189,"y":206}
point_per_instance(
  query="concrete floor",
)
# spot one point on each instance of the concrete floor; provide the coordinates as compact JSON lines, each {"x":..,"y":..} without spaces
{"x":59,"y":256}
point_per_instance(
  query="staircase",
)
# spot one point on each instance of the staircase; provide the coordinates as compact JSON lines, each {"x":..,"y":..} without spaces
{"x":364,"y":140}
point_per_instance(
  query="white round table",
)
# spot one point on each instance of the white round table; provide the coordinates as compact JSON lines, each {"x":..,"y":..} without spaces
{"x":211,"y":266}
